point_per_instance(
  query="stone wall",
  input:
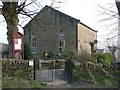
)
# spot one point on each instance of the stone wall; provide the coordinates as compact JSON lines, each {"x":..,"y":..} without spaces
{"x":19,"y":68}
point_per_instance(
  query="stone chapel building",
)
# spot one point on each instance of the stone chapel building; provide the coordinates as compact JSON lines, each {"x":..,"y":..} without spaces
{"x":53,"y":31}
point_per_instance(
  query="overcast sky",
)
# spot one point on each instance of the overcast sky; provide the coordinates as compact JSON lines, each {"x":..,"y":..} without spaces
{"x":87,"y":11}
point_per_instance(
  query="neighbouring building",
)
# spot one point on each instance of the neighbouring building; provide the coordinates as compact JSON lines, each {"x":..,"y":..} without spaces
{"x":53,"y":31}
{"x":100,"y":50}
{"x":3,"y":50}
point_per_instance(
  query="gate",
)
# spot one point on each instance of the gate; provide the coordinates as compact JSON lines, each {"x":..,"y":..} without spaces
{"x":44,"y":72}
{"x":49,"y":70}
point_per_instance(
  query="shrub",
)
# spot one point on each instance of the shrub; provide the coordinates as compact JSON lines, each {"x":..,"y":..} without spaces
{"x":81,"y":76}
{"x":104,"y":58}
{"x":48,"y":55}
{"x":67,"y":54}
{"x":27,"y":52}
{"x":59,"y":64}
{"x":47,"y":65}
{"x":82,"y":57}
{"x":107,"y":81}
{"x":92,"y":58}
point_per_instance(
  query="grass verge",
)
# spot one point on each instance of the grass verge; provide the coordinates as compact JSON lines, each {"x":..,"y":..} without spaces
{"x":19,"y":82}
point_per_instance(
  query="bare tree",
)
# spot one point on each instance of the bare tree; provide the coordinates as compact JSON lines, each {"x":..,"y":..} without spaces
{"x":112,"y":48}
{"x":12,"y":8}
{"x":113,"y":17}
{"x":118,"y":47}
{"x":92,"y":45}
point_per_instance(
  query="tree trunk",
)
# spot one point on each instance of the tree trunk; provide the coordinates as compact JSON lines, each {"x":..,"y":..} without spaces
{"x":9,"y":11}
{"x":114,"y":58}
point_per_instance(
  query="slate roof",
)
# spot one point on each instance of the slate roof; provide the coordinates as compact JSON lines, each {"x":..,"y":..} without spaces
{"x":48,"y":7}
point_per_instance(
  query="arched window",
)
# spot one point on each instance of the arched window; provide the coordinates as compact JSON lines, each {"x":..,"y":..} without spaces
{"x":61,"y":37}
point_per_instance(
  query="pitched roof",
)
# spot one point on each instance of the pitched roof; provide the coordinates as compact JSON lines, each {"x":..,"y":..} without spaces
{"x":88,"y":27}
{"x":48,"y":7}
{"x":70,"y":17}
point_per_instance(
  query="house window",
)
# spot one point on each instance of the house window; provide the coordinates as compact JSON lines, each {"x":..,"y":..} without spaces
{"x":33,"y":44}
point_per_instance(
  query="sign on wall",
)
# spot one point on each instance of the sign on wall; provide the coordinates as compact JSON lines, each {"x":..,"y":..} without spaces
{"x":31,"y":62}
{"x":18,"y":43}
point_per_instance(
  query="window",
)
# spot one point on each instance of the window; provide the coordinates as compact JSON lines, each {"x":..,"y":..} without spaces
{"x":33,"y":44}
{"x":61,"y":37}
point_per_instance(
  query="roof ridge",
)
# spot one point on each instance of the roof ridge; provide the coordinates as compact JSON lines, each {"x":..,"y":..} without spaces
{"x":47,"y":7}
